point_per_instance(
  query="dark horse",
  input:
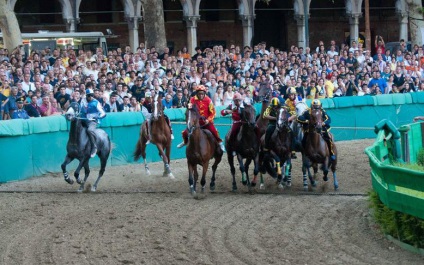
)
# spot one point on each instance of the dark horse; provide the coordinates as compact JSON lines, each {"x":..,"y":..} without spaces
{"x":280,"y":149}
{"x":297,"y":136}
{"x":79,"y":148}
{"x":264,"y":95}
{"x":316,"y":148}
{"x":160,"y":136}
{"x":201,"y":147}
{"x":245,"y":145}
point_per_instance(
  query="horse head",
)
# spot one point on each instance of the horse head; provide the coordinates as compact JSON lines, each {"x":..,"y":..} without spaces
{"x":301,"y":107}
{"x":265,"y":92}
{"x":248,"y":115}
{"x":157,"y":108}
{"x":283,"y":118}
{"x":73,"y":111}
{"x":316,"y":120}
{"x":192,"y":118}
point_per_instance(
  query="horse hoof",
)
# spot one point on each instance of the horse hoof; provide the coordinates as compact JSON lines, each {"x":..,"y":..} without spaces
{"x":93,"y":189}
{"x":212,"y":187}
{"x":325,"y":178}
{"x":262,"y":187}
{"x":244,"y":182}
{"x":69,"y":180}
{"x":79,"y":181}
{"x":171,"y":176}
{"x":314,"y":184}
{"x":288,"y":184}
{"x":195,"y":195}
{"x":336,"y":187}
{"x":281,"y":186}
{"x":253,"y":184}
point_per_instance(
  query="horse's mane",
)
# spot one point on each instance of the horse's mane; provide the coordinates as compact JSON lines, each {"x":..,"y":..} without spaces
{"x":301,"y":106}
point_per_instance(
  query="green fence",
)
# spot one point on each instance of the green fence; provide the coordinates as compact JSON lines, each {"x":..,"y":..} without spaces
{"x":399,"y":188}
{"x":38,"y":146}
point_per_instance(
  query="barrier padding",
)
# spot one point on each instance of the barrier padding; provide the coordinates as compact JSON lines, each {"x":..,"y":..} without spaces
{"x":417,"y":97}
{"x":327,"y":103}
{"x":176,"y":114}
{"x":343,"y":102}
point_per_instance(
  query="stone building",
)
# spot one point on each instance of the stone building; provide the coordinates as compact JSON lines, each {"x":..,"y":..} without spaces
{"x":191,"y":23}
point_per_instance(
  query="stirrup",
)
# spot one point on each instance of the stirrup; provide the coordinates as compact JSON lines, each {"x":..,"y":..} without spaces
{"x":148,"y":142}
{"x":181,"y":145}
{"x":333,"y":157}
{"x":172,"y":136}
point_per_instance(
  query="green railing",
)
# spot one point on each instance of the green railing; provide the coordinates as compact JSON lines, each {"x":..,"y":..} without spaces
{"x":399,"y":188}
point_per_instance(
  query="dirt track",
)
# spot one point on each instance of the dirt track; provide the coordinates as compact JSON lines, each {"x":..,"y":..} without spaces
{"x":139,"y":219}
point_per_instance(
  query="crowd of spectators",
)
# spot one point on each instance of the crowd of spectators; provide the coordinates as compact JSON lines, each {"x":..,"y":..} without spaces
{"x":49,"y":80}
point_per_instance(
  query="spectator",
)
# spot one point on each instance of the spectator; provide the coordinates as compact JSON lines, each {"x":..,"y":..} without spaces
{"x":20,"y":112}
{"x":33,"y":109}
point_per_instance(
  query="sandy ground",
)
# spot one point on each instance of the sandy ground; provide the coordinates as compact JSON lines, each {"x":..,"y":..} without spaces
{"x":140,"y":219}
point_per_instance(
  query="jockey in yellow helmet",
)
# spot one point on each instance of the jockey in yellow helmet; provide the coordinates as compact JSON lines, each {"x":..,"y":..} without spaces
{"x":304,"y":119}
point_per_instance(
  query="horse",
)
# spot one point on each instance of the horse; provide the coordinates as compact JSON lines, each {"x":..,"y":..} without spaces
{"x":201,"y":147}
{"x":316,"y":148}
{"x":297,"y":136}
{"x":280,"y":150}
{"x":264,"y":95}
{"x":79,"y":147}
{"x":160,"y":135}
{"x":245,"y":145}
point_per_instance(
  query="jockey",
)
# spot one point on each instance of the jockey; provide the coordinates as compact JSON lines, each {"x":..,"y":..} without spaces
{"x":146,"y":109}
{"x":236,"y":112}
{"x":92,"y":111}
{"x":207,"y":111}
{"x":304,"y":119}
{"x":290,"y":103}
{"x":271,"y":114}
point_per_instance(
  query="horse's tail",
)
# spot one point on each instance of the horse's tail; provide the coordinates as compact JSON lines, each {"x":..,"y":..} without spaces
{"x":137,"y":152}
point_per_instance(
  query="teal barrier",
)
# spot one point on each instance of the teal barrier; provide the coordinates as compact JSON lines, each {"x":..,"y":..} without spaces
{"x":399,"y":188}
{"x":38,"y":146}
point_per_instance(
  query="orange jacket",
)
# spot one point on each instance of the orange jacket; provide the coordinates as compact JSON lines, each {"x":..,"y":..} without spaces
{"x":205,"y":107}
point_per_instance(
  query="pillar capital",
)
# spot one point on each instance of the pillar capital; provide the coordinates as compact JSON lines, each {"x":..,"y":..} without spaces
{"x":191,"y":21}
{"x":247,"y":20}
{"x":133,"y":22}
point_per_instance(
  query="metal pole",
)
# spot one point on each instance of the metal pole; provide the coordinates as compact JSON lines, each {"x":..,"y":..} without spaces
{"x":305,"y":17}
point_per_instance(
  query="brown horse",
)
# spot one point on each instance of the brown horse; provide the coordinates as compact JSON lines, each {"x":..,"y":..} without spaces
{"x":201,"y":147}
{"x":264,"y":95}
{"x":245,"y":145}
{"x":160,"y":136}
{"x":280,"y":150}
{"x":316,"y":148}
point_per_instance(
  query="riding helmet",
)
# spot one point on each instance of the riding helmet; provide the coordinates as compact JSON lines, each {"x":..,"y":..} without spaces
{"x":89,"y":92}
{"x":201,"y":88}
{"x":292,"y":91}
{"x":316,"y":104}
{"x":275,"y":102}
{"x":237,"y":96}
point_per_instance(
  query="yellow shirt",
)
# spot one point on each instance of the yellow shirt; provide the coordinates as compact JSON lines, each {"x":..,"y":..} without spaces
{"x":329,"y":88}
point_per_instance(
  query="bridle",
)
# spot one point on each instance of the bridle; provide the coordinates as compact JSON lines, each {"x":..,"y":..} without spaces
{"x":282,"y":120}
{"x":315,"y":123}
{"x":157,"y":109}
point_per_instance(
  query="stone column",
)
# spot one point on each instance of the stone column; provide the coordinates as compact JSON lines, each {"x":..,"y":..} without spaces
{"x":354,"y":27}
{"x":403,"y":26}
{"x":247,"y":22}
{"x":71,"y":24}
{"x":300,"y":30}
{"x":133,"y":32}
{"x":191,"y":22}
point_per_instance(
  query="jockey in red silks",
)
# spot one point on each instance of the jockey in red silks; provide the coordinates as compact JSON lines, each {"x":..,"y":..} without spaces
{"x":207,"y":111}
{"x":235,"y":110}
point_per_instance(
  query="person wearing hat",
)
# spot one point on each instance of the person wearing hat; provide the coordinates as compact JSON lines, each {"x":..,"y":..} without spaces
{"x":93,"y":111}
{"x":290,"y":103}
{"x":304,"y":120}
{"x":20,"y":113}
{"x":207,"y":110}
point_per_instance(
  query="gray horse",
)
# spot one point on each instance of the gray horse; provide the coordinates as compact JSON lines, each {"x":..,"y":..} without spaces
{"x":79,"y":148}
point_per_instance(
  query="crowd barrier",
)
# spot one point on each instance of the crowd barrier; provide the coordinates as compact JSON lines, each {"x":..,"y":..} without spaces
{"x":399,"y":188}
{"x":37,"y":146}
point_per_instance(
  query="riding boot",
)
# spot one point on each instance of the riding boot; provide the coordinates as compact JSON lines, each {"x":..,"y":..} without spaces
{"x":92,"y":136}
{"x":221,"y":145}
{"x":183,"y":143}
{"x":329,"y":142}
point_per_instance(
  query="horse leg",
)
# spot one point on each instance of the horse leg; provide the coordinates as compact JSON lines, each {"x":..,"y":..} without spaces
{"x":86,"y":172}
{"x":242,"y":169}
{"x":255,"y":170}
{"x":103,"y":162}
{"x":246,"y":167}
{"x":232,"y":168}
{"x":78,"y":169}
{"x":191,"y":170}
{"x":143,"y":154}
{"x":65,"y":173}
{"x":167,"y":166}
{"x":214,"y":167}
{"x":165,"y":160}
{"x":325,"y":169}
{"x":333,"y":169}
{"x":203,"y":179}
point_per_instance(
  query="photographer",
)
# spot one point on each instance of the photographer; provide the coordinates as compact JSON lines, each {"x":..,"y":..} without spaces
{"x":379,"y":44}
{"x":352,"y":86}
